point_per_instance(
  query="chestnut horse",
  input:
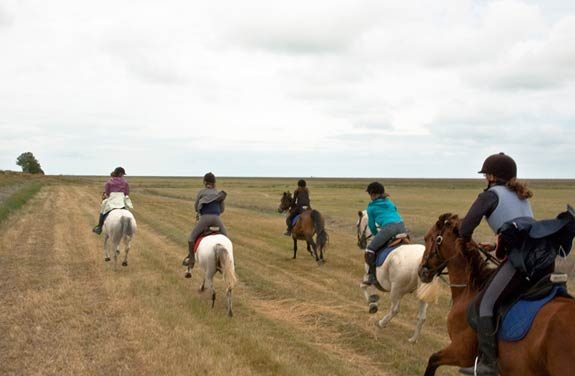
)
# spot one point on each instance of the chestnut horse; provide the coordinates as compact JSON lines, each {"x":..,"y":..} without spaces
{"x":547,"y":349}
{"x":309,"y":223}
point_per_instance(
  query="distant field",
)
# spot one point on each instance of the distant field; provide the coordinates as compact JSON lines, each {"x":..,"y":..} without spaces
{"x":64,"y":311}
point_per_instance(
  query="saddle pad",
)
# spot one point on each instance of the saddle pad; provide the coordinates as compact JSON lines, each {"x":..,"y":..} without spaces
{"x":197,"y":242}
{"x":295,"y":219}
{"x":517,"y":321}
{"x":382,"y":255}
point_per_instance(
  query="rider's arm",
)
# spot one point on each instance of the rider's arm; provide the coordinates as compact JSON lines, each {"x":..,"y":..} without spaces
{"x":484,"y":205}
{"x":371,"y":221}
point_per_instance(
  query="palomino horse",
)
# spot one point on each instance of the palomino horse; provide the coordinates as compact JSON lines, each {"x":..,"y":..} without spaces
{"x":547,"y":349}
{"x":120,"y":225}
{"x":310,"y":223}
{"x":397,"y":275}
{"x":215,"y":253}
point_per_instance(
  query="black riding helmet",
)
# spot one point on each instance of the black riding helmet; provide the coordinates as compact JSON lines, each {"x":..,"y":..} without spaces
{"x":375,"y":187}
{"x":301,"y":183}
{"x":500,"y":165}
{"x":210,"y":178}
{"x":118,"y":171}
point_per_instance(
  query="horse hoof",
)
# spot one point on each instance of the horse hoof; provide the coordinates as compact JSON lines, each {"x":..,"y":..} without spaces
{"x":230,"y":314}
{"x":374,"y":298}
{"x":107,"y":259}
{"x":412,"y":340}
{"x":125,"y":263}
{"x":188,"y":275}
{"x":372,"y":308}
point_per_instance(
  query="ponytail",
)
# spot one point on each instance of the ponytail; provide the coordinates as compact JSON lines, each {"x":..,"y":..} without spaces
{"x":519,"y":188}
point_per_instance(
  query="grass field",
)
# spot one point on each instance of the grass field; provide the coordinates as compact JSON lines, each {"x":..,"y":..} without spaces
{"x":63,"y":311}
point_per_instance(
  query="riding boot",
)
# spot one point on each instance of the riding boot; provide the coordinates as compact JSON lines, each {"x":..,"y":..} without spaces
{"x":190,"y":260}
{"x":98,"y":228}
{"x":370,"y":258}
{"x":486,"y":364}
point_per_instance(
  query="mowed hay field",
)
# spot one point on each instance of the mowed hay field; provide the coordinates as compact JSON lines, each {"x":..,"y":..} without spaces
{"x":64,"y":311}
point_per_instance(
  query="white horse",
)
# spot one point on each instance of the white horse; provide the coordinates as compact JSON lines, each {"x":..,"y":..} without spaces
{"x":120,"y":225}
{"x":398,"y":276}
{"x":216,"y":254}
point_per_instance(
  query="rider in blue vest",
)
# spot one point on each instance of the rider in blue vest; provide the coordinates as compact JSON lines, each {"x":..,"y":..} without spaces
{"x":503,"y":200}
{"x":384,"y":223}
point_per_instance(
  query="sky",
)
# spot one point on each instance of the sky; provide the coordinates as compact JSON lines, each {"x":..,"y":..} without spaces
{"x":323,"y":88}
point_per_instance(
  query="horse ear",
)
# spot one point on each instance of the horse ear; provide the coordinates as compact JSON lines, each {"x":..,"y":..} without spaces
{"x":443,"y":220}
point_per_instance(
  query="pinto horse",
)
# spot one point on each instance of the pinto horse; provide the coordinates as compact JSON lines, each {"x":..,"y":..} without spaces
{"x":547,"y":349}
{"x":309,"y":223}
{"x":397,"y":275}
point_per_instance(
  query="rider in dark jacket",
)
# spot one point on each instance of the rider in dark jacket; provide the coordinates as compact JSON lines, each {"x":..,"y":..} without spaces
{"x":209,"y":205}
{"x":300,"y":203}
{"x":503,"y":200}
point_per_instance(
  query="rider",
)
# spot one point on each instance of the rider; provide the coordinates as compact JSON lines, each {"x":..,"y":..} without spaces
{"x":300,"y":203}
{"x":209,"y":205}
{"x":116,"y":183}
{"x":384,"y":222}
{"x":503,"y":200}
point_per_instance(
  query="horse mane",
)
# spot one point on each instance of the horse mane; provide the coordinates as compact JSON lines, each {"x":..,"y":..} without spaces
{"x":478,"y":271}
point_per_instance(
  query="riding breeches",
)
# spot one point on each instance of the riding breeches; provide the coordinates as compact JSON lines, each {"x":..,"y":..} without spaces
{"x":206,"y":221}
{"x":385,"y":234}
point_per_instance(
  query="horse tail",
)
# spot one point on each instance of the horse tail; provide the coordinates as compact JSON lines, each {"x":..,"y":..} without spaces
{"x":318,"y":224}
{"x":227,"y":264}
{"x":127,"y":226}
{"x":429,"y":292}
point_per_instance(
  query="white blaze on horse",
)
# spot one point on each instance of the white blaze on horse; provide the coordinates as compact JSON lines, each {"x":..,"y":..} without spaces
{"x":398,"y":276}
{"x":119,"y":227}
{"x":215,"y":253}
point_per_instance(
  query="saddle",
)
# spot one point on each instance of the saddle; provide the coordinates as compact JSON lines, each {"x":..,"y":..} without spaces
{"x":515,"y":318}
{"x":211,"y":230}
{"x":388,"y":247}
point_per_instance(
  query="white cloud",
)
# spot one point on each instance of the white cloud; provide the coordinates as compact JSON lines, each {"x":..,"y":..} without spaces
{"x":258,"y":81}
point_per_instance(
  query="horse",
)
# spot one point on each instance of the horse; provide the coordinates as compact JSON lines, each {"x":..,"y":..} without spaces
{"x":215,"y":253}
{"x":309,"y":223}
{"x":120,"y":225}
{"x":398,"y":276}
{"x":547,"y":349}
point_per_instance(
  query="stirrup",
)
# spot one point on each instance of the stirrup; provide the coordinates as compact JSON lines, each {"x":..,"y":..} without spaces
{"x":97,"y":230}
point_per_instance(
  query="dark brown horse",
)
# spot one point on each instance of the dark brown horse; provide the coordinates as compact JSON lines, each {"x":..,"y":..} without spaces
{"x":547,"y":349}
{"x":309,"y":223}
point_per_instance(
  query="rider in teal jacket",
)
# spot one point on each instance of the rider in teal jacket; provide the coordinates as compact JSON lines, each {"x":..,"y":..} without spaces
{"x":384,"y":223}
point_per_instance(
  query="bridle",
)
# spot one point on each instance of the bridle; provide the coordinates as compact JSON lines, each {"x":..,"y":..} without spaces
{"x":438,"y":270}
{"x":362,"y":238}
{"x":436,"y":253}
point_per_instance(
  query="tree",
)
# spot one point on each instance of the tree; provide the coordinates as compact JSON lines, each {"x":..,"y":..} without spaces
{"x":29,"y":163}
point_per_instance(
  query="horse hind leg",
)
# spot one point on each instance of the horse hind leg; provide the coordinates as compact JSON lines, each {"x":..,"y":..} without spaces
{"x":229,"y":302}
{"x":421,"y":316}
{"x":127,"y":244}
{"x":309,"y":248}
{"x":106,"y":245}
{"x":294,"y":248}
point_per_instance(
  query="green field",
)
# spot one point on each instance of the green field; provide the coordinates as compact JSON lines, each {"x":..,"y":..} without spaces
{"x":70,"y":313}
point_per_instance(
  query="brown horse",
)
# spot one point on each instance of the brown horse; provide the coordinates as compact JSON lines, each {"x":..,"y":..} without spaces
{"x":309,"y":223}
{"x":547,"y":349}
